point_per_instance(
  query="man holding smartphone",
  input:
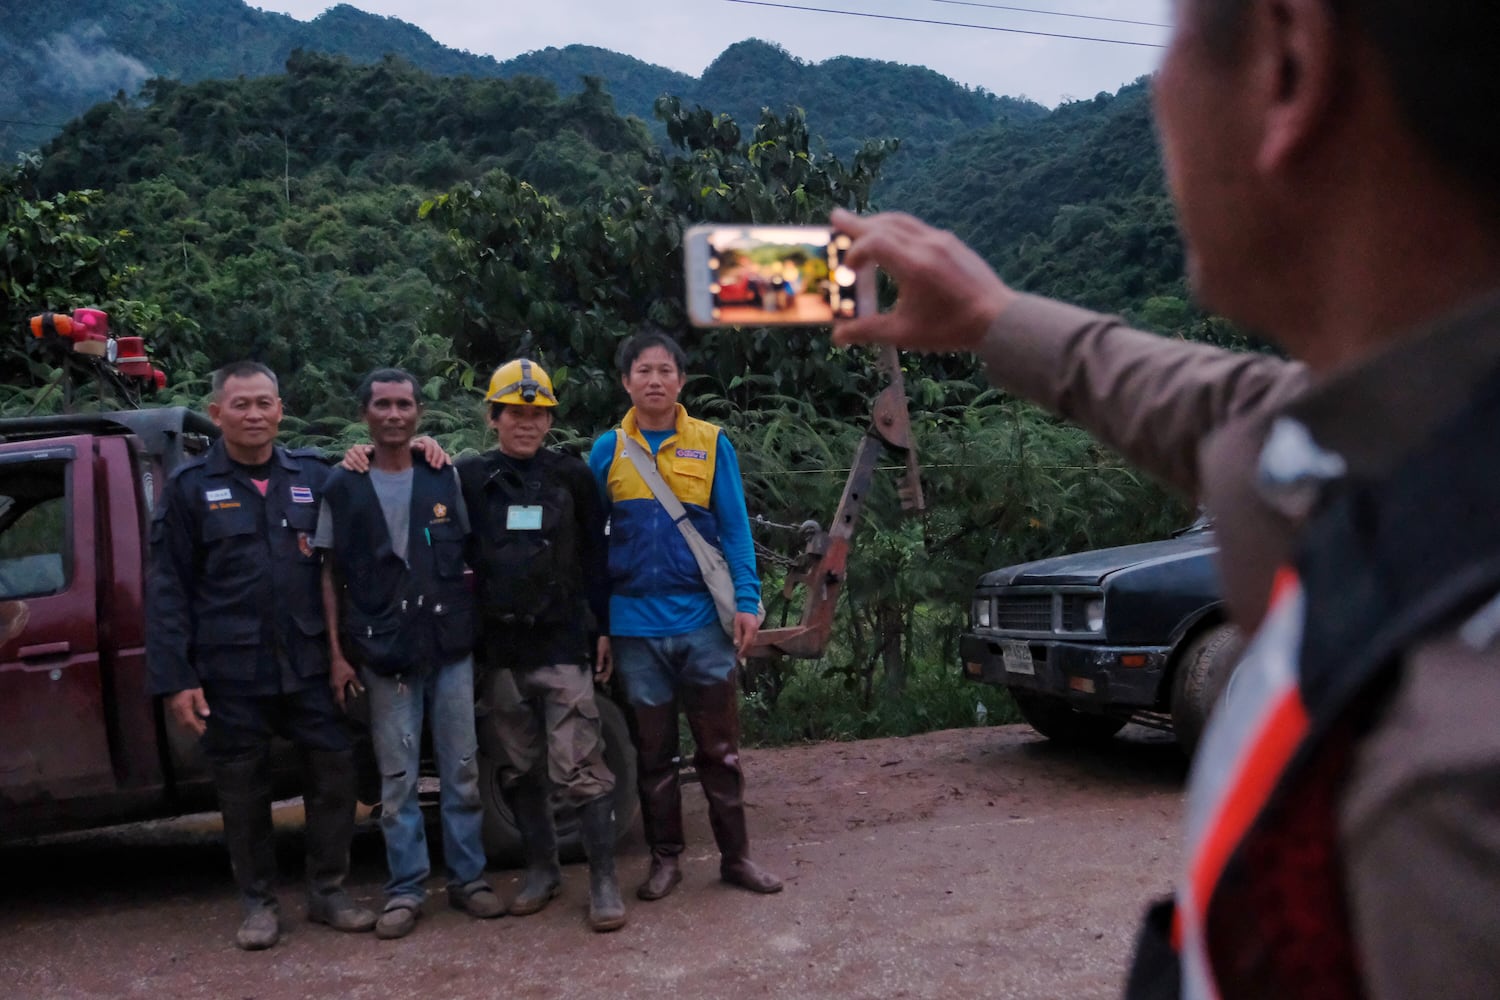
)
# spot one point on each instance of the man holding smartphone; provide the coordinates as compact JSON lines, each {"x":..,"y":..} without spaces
{"x":235,"y":645}
{"x":398,"y":607}
{"x":1333,"y":170}
{"x":669,"y":647}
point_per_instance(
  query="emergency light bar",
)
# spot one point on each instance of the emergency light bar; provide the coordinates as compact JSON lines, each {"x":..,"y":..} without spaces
{"x":86,"y":331}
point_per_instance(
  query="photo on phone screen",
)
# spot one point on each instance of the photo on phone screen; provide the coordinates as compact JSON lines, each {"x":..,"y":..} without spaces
{"x":769,"y":275}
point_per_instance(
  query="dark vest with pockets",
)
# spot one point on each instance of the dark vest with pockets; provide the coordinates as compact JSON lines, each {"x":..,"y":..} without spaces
{"x":526,"y":539}
{"x":401,"y":617}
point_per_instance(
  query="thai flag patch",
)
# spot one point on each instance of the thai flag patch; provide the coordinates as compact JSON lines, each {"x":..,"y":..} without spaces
{"x":691,"y":453}
{"x":302,"y":494}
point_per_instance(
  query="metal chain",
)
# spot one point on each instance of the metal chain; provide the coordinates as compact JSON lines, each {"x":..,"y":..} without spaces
{"x":768,"y":554}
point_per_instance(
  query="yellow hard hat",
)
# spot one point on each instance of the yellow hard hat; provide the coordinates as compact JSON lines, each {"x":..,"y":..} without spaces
{"x":521,"y":381}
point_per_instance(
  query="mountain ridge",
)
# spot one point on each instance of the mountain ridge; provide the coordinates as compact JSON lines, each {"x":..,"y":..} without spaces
{"x":59,"y":59}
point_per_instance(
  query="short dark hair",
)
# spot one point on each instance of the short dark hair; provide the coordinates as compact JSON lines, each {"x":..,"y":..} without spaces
{"x":367,"y":387}
{"x":1439,"y":58}
{"x":642,"y":341}
{"x":241,"y":369}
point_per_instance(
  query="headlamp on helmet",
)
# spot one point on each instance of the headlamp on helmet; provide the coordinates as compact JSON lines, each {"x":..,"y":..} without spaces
{"x":521,"y":382}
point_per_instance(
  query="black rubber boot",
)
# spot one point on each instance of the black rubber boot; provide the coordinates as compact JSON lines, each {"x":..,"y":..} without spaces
{"x":530,"y":805}
{"x":244,"y":787}
{"x":328,"y":803}
{"x":597,"y":819}
{"x":654,"y":728}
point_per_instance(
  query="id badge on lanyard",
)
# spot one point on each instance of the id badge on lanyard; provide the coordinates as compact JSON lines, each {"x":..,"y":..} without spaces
{"x":523,"y":518}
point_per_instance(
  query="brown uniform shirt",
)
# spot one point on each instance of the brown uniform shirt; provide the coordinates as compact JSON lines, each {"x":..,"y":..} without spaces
{"x":1420,"y":814}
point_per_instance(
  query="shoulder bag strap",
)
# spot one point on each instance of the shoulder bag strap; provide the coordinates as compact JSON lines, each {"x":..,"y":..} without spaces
{"x":646,"y":466}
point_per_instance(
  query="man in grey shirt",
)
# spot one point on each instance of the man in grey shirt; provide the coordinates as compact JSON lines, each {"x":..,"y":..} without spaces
{"x":394,"y":538}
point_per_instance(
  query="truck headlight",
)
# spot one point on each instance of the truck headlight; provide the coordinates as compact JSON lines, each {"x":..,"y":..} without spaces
{"x":981,"y":612}
{"x":1093,"y":615}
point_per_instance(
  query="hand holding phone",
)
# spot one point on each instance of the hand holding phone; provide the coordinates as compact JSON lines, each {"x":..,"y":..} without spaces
{"x":752,"y":275}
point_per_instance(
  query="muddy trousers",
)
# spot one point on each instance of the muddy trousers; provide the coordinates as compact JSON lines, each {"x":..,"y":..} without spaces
{"x":713,"y":717}
{"x":244,"y":787}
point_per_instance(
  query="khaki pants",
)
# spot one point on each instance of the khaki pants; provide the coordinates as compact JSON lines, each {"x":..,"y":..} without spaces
{"x":549,"y":712}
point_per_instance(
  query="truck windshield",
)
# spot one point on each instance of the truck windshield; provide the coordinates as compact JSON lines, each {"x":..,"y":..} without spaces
{"x":33,"y":529}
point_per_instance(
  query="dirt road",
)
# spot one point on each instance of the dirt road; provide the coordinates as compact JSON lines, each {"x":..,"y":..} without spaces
{"x":969,"y":863}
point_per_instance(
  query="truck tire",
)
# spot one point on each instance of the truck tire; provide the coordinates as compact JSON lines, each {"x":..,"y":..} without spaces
{"x":1203,"y":669}
{"x":502,"y":841}
{"x":1060,"y":722}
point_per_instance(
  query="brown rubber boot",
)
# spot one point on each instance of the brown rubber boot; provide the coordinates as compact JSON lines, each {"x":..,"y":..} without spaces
{"x":714,"y":717}
{"x":655,"y":731}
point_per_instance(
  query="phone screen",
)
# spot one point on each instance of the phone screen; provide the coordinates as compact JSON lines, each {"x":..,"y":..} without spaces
{"x":759,"y":275}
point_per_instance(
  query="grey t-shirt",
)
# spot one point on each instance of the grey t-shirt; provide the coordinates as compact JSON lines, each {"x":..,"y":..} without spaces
{"x":393,"y":489}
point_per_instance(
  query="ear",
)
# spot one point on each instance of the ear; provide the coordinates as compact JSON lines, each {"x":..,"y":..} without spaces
{"x":214,"y":412}
{"x":1300,"y":74}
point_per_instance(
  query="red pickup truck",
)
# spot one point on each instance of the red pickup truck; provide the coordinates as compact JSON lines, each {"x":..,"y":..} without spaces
{"x":81,"y":743}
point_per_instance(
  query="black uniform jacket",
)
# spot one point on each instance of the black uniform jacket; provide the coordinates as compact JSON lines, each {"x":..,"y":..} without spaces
{"x":233,"y":598}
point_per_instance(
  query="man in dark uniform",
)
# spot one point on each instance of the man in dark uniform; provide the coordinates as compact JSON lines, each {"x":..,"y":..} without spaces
{"x":236,"y":646}
{"x":540,"y":566}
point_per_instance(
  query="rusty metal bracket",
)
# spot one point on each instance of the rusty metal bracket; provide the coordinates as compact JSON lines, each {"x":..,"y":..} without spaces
{"x":823,"y":567}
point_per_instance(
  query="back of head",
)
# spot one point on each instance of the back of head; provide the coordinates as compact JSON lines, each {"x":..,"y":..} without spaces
{"x":1442,"y":56}
{"x":1439,"y":58}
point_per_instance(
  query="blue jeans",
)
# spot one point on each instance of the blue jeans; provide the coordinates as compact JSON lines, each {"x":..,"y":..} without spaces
{"x":396,"y":711}
{"x":654,"y":668}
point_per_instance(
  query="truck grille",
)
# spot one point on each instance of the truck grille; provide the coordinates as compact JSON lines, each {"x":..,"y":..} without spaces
{"x":1038,"y":611}
{"x":1024,"y":612}
{"x":1074,"y":613}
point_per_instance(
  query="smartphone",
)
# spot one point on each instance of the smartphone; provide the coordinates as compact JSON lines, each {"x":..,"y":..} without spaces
{"x":751,"y":275}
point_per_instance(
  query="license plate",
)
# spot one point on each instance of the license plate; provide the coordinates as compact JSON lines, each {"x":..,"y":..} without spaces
{"x":1017,"y":657}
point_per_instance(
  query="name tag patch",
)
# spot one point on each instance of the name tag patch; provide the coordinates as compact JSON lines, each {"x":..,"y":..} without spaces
{"x":692,"y":453}
{"x":215,"y":496}
{"x":302,"y":494}
{"x":527,"y":518}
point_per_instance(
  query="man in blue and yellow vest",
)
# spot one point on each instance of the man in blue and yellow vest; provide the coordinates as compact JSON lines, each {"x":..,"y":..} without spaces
{"x":1333,"y":168}
{"x":668,"y":645}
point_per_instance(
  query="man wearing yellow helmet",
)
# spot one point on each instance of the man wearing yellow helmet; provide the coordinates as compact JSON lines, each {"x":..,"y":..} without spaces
{"x":540,"y":566}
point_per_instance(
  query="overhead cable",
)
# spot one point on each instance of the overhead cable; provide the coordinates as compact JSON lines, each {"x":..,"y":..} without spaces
{"x":949,"y":24}
{"x":1053,"y":13}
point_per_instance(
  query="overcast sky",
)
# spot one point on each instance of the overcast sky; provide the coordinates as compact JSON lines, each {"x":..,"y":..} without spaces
{"x":687,"y":34}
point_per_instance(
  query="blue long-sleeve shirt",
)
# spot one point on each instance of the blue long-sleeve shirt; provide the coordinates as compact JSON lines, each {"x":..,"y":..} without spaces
{"x":656,"y":615}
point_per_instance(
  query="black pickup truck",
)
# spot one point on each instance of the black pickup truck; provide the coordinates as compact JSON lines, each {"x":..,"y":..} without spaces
{"x":1088,"y":642}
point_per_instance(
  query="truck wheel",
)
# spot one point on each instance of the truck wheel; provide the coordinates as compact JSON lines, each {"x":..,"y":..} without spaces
{"x":1060,"y":722}
{"x":1203,"y":670}
{"x":502,"y":840}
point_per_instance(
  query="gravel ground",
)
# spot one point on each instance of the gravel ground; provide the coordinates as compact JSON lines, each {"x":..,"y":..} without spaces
{"x":968,"y":863}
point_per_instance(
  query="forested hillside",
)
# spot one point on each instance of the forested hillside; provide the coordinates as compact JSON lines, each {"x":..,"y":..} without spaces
{"x":263,"y":210}
{"x":1073,"y":206}
{"x":60,"y":58}
{"x":340,"y":216}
